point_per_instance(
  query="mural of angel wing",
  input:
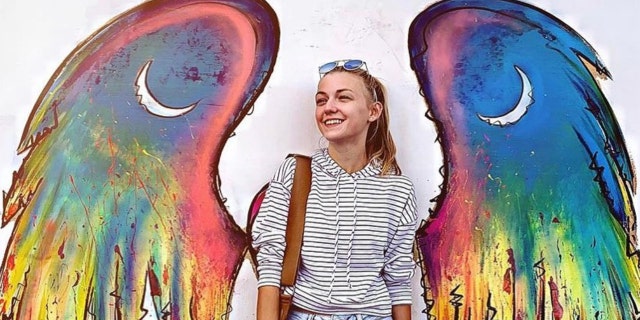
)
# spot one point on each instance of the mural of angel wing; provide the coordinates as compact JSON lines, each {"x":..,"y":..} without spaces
{"x":535,"y":219}
{"x":118,"y":190}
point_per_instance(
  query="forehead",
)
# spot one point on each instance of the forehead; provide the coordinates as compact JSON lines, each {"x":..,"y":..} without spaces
{"x":341,"y":80}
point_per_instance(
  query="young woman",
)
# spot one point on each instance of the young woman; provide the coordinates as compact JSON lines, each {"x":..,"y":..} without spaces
{"x":357,"y":258}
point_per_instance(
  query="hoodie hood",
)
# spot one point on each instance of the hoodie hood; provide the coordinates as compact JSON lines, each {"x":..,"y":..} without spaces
{"x":323,"y":161}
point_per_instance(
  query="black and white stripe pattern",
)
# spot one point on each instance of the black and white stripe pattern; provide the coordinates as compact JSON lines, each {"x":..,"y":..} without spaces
{"x":358,"y":239}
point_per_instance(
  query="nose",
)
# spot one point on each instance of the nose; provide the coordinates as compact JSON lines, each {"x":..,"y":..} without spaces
{"x":330,"y":107}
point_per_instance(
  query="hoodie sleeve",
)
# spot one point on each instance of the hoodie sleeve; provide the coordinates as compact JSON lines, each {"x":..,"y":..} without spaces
{"x":399,"y":264}
{"x":268,"y":232}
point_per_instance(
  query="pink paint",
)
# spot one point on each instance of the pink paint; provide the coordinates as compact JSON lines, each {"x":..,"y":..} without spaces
{"x":209,"y":234}
{"x":61,"y":250}
{"x":255,"y":204}
{"x":555,"y":301}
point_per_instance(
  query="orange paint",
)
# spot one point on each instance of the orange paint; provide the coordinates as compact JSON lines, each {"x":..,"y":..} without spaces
{"x":165,"y":276}
{"x":112,"y":151}
{"x":11,"y":261}
{"x":154,"y":285}
{"x":11,"y":211}
{"x":507,"y":282}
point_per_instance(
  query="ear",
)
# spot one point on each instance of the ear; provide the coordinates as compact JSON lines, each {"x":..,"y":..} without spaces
{"x":375,"y":111}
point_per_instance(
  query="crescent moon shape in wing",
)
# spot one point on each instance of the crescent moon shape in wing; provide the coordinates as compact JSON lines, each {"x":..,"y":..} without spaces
{"x":520,"y":109}
{"x":149,"y":102}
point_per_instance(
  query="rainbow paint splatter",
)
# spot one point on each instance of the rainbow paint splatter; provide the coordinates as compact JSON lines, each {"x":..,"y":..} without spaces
{"x":117,"y":193}
{"x":535,"y":219}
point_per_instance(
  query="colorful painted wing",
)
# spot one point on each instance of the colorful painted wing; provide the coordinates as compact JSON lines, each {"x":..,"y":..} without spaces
{"x":118,"y":191}
{"x":535,"y":220}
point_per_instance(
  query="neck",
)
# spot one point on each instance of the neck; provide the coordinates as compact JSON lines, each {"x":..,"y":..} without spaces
{"x":349,"y":158}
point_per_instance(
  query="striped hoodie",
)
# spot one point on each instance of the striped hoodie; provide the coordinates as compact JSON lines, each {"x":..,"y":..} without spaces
{"x":358,"y":238}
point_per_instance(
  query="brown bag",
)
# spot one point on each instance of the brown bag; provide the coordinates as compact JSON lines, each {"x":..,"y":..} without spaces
{"x":295,"y":227}
{"x":295,"y":230}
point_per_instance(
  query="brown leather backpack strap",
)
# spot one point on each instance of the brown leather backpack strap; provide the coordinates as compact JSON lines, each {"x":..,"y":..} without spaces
{"x":295,"y":220}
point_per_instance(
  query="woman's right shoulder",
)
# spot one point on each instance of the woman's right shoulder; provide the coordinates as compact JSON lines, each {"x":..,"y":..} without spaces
{"x":285,"y":171}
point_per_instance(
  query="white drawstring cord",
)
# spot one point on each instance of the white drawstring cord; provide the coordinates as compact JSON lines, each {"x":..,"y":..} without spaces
{"x":337,"y":238}
{"x":353,"y":230}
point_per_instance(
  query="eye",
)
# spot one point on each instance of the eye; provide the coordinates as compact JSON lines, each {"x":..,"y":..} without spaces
{"x":344,"y":97}
{"x":321,"y":101}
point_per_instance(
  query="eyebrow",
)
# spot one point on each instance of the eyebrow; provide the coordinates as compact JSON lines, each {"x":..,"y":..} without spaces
{"x":343,"y":90}
{"x":338,"y":91}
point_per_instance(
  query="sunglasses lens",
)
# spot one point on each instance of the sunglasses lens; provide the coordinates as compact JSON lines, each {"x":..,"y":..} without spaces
{"x":349,"y":65}
{"x":327,"y":67}
{"x":353,"y":64}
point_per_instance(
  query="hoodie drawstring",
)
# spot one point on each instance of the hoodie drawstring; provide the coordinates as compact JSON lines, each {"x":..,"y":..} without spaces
{"x":353,"y":230}
{"x":337,"y":232}
{"x":337,"y":237}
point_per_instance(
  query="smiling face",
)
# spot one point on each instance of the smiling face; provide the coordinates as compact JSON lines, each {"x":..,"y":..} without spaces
{"x":344,"y":109}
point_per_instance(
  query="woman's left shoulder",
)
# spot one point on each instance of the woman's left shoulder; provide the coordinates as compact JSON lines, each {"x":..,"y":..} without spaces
{"x":397,"y":179}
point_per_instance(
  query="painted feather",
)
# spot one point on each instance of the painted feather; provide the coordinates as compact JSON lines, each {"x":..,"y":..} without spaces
{"x":535,"y":219}
{"x":118,"y":194}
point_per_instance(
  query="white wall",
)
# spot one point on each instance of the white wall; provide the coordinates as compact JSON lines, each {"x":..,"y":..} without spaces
{"x":36,"y":36}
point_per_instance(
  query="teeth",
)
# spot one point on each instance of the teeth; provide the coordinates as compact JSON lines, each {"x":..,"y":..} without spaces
{"x":333,"y":121}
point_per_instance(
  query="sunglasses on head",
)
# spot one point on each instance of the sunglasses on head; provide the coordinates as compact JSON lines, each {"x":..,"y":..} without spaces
{"x":349,"y":65}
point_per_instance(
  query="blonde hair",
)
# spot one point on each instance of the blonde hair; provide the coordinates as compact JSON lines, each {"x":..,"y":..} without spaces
{"x":379,"y":146}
